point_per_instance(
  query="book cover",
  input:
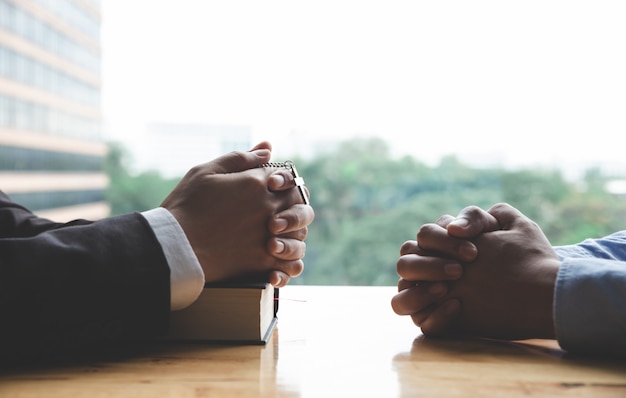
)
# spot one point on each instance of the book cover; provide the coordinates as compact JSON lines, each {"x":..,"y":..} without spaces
{"x":236,"y":312}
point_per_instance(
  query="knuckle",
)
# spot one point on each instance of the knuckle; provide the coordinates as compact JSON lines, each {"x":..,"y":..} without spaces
{"x":426,"y":231}
{"x":499,"y":207}
{"x":472,"y":211}
{"x":237,"y":155}
{"x":197,"y":169}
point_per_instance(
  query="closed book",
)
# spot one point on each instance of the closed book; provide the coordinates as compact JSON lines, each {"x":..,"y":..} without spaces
{"x":235,"y":312}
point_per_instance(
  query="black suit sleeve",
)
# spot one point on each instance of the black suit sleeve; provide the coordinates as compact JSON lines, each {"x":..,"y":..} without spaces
{"x":67,"y":286}
{"x":17,"y":221}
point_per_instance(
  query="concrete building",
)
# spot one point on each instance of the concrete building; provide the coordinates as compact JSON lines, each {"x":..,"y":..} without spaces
{"x":51,"y":141}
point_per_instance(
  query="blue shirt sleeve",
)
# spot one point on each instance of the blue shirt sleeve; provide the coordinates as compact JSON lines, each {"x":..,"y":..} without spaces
{"x":590,"y":296}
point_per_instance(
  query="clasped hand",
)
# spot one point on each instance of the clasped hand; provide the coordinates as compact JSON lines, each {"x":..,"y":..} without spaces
{"x":484,"y":273}
{"x":241,"y":219}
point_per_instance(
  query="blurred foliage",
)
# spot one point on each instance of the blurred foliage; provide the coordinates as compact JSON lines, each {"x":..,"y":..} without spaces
{"x":126,"y":192}
{"x":367,"y":203}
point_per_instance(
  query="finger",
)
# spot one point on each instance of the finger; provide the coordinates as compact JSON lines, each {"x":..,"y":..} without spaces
{"x":300,"y":234}
{"x":419,"y":317}
{"x":281,"y":180}
{"x":286,"y":249}
{"x":262,"y":145}
{"x":440,"y":320}
{"x":278,"y":278}
{"x":292,"y":268}
{"x":412,"y":300}
{"x":471,"y":222}
{"x":409,"y":247}
{"x":434,"y":239}
{"x":295,"y":218}
{"x":444,"y":220}
{"x":405,"y":284}
{"x":414,"y":267}
{"x":307,"y":192}
{"x":236,"y":161}
{"x":506,"y":215}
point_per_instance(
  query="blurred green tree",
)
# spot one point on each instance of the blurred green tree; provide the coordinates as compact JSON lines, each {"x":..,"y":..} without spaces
{"x":127,"y":193}
{"x":367,"y":203}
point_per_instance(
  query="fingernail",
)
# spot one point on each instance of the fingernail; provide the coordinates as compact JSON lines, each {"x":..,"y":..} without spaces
{"x":453,"y":270}
{"x":281,"y":224}
{"x":279,"y":179}
{"x":280,"y":246}
{"x":263,"y":153}
{"x":468,"y":250}
{"x":460,"y":222}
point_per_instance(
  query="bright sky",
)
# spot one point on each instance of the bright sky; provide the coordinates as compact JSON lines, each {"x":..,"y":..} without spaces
{"x":515,"y":82}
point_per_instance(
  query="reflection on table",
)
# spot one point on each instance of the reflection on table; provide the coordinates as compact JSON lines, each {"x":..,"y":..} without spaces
{"x":330,"y":342}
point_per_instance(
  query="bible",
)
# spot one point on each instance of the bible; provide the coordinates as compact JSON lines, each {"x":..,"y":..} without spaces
{"x":228,"y":312}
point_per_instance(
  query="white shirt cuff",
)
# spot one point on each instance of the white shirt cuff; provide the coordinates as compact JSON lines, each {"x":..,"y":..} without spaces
{"x":186,"y":276}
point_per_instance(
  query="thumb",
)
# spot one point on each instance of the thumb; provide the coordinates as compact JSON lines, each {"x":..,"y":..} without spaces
{"x":262,"y":145}
{"x":507,"y":215}
{"x":237,"y":161}
{"x":471,"y":222}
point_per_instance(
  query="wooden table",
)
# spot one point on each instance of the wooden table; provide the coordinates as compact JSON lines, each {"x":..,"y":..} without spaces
{"x":331,"y":342}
